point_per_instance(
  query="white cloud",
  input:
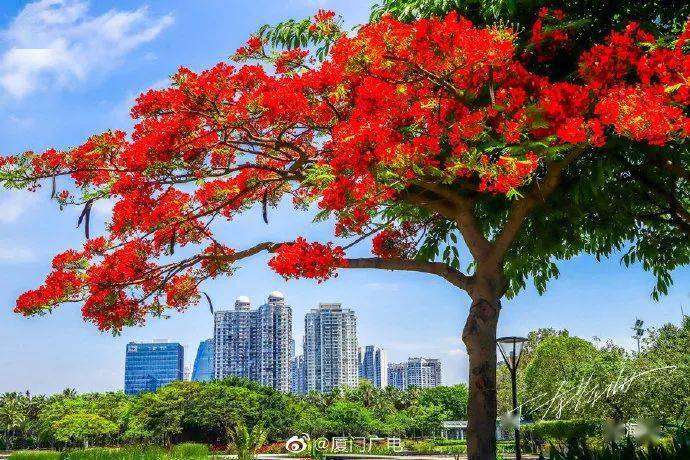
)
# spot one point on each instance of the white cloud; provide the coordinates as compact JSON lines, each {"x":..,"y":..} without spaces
{"x":57,"y":43}
{"x":14,"y":203}
{"x":456,"y":352}
{"x":104,"y":206}
{"x":13,"y":254}
{"x":375,"y":286}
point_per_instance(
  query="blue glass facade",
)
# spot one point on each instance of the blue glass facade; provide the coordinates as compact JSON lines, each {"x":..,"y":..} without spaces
{"x":203,"y":364}
{"x":149,"y":366}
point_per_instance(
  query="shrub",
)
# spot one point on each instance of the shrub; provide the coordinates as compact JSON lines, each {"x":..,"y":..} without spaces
{"x":189,"y":450}
{"x":563,"y":430}
{"x":450,"y":442}
{"x":136,"y":452}
{"x":456,"y":451}
{"x":627,"y":450}
{"x":35,"y":455}
{"x":246,"y":442}
{"x":421,"y":447}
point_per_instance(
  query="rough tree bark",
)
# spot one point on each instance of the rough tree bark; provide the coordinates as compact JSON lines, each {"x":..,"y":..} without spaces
{"x":479,"y":336}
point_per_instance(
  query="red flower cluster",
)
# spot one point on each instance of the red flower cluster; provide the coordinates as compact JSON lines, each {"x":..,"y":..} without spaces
{"x":290,"y":60}
{"x":643,"y":114}
{"x":394,"y":107}
{"x":323,"y":22}
{"x":507,"y":173}
{"x":547,"y":43}
{"x":394,"y":243}
{"x":252,"y":49}
{"x":308,"y":260}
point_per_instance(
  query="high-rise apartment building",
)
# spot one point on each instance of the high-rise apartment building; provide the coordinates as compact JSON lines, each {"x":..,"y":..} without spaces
{"x":149,"y":366}
{"x":235,"y":331}
{"x":416,"y":372}
{"x":397,"y":375}
{"x":275,"y":337}
{"x":298,"y":376}
{"x":423,"y":372}
{"x":254,"y":344}
{"x":330,"y":348}
{"x":373,"y":366}
{"x":203,"y":363}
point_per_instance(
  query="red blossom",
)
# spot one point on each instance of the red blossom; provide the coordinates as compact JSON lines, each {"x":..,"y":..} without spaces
{"x":308,"y":260}
{"x":394,"y":242}
{"x":393,"y":106}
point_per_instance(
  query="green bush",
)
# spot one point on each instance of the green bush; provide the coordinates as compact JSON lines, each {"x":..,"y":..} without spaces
{"x":138,"y":452}
{"x":454,"y":451}
{"x":563,"y":430}
{"x":450,"y":442}
{"x":627,"y":450}
{"x":189,"y":450}
{"x":35,"y":455}
{"x":421,"y":447}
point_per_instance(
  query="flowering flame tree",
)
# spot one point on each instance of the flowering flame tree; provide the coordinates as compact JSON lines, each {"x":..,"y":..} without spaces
{"x":420,"y":135}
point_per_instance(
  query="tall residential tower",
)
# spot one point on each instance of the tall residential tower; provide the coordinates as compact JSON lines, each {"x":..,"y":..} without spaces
{"x":373,"y":366}
{"x":330,"y":348}
{"x":416,"y":372}
{"x":254,"y":344}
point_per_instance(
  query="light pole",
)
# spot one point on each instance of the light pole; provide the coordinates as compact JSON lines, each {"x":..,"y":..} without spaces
{"x":511,"y":349}
{"x":639,"y":332}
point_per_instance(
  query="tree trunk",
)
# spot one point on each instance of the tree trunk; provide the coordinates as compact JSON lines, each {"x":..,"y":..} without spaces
{"x":479,"y":336}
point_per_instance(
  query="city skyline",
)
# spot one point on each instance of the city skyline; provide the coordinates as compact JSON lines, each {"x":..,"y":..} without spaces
{"x":373,"y":365}
{"x":242,"y":335}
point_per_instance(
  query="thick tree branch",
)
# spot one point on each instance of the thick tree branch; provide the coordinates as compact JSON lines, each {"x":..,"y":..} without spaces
{"x":670,"y":203}
{"x":522,"y":207}
{"x":441,"y":269}
{"x":669,"y":166}
{"x":451,"y":275}
{"x":459,"y":209}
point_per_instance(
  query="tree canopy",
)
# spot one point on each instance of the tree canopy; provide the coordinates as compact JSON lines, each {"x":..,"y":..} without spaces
{"x":204,"y":412}
{"x":413,"y":133}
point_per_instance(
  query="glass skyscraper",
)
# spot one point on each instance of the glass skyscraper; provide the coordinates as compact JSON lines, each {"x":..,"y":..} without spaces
{"x":203,"y":364}
{"x":373,"y":366}
{"x":149,"y":366}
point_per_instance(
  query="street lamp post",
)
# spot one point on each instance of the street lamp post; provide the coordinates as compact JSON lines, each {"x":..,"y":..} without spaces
{"x":511,"y":350}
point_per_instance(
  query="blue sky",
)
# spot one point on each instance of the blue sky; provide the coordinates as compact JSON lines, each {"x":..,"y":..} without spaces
{"x":70,"y":68}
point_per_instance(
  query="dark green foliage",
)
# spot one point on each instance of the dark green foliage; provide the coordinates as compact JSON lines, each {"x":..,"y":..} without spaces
{"x":204,"y":412}
{"x":679,"y":449}
{"x":565,"y":377}
{"x":297,"y":34}
{"x":563,"y":430}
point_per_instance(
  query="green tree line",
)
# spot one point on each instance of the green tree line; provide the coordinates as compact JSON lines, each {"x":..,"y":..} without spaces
{"x":203,"y":412}
{"x":563,"y":377}
{"x":554,"y":362}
